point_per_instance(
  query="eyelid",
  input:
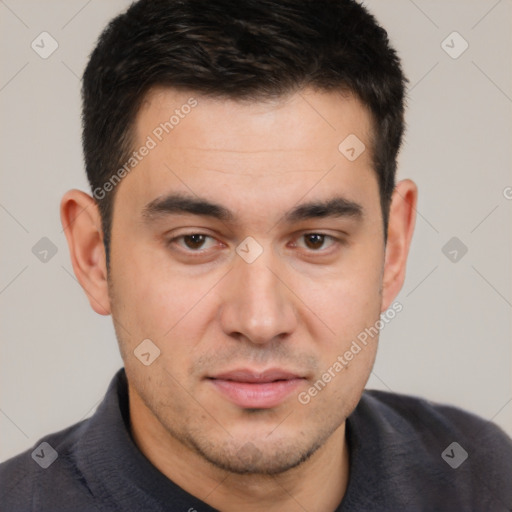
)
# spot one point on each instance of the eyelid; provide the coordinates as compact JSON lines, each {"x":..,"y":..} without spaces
{"x":334,"y":241}
{"x":173,"y":241}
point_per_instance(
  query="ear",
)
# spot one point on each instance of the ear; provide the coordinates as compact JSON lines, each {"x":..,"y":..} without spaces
{"x":81,"y":221}
{"x":402,"y":215}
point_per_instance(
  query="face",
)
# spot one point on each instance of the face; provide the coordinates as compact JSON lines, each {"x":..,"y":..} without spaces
{"x":250,"y":251}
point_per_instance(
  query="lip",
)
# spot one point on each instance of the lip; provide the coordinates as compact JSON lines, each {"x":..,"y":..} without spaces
{"x":256,"y":390}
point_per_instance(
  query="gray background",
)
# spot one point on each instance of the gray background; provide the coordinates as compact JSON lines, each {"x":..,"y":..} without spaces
{"x":452,"y":341}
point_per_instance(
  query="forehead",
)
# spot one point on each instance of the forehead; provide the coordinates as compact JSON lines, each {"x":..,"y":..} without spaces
{"x":251,"y":150}
{"x":306,"y":120}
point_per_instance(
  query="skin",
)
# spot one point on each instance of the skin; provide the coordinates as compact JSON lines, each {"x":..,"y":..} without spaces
{"x":297,"y":307}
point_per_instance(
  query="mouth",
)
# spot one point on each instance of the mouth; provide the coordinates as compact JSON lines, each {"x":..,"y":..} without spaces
{"x":256,"y":390}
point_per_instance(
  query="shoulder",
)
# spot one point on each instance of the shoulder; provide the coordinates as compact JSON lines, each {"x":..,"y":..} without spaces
{"x":441,"y":446}
{"x":48,"y":470}
{"x":426,"y":418}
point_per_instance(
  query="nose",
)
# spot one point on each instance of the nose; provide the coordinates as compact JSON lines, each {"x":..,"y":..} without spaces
{"x":257,"y":304}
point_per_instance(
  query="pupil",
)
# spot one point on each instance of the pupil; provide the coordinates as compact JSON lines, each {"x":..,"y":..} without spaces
{"x":315,"y":241}
{"x":194,"y":241}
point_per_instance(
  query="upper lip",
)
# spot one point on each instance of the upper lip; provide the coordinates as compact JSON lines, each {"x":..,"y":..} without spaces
{"x":252,"y":376}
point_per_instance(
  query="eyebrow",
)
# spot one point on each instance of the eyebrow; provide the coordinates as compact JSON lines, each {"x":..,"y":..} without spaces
{"x":184,"y":204}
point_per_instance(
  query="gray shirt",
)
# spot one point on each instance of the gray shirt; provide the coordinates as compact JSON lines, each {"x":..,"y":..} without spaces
{"x":406,"y":454}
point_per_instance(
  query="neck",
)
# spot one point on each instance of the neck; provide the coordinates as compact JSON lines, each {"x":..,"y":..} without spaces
{"x":317,"y":484}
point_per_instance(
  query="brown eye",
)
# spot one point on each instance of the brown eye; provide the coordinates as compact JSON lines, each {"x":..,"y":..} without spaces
{"x":194,"y":241}
{"x":317,"y":243}
{"x":314,"y":241}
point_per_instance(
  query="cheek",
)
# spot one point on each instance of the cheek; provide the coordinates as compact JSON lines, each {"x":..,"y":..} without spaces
{"x":349,"y":299}
{"x":157,"y":301}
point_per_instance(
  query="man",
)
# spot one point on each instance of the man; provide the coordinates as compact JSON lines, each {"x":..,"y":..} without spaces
{"x":246,"y":234}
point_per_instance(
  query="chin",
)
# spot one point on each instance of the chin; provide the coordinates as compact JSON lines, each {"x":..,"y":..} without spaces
{"x":249,"y":459}
{"x":257,"y":456}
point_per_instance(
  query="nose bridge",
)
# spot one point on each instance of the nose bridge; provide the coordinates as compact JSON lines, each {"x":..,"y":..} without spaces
{"x":257,"y":304}
{"x":261,"y":284}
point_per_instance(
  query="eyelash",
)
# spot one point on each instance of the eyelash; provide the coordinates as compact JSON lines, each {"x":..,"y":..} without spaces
{"x":201,"y":252}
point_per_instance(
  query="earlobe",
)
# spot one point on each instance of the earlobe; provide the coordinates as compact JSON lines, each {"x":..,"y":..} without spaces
{"x":81,"y":222}
{"x":402,"y":216}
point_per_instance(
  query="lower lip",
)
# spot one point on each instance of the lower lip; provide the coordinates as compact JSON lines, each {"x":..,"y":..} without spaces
{"x":252,"y":395}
